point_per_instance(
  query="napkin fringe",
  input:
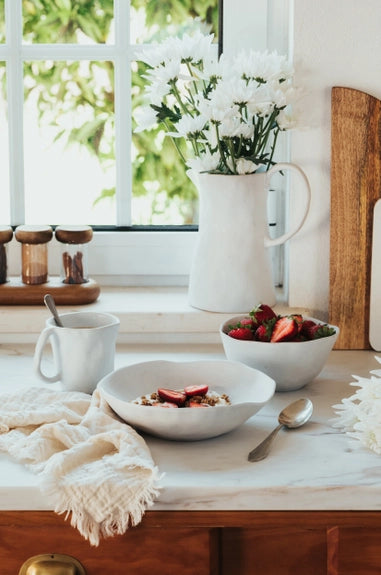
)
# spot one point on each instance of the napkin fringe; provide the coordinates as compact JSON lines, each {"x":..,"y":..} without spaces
{"x":116,"y":523}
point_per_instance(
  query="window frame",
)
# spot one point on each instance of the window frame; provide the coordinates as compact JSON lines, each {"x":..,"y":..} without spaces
{"x":127,"y":255}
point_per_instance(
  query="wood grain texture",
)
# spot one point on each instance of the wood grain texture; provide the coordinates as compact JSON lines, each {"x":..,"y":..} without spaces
{"x":206,"y":543}
{"x":355,"y":188}
{"x":14,"y":292}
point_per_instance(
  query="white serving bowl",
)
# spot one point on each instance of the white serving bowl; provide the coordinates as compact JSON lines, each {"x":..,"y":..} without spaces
{"x":290,"y":364}
{"x":247,"y":388}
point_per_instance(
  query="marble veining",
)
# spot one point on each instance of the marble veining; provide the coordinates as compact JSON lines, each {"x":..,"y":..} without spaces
{"x":314,"y":467}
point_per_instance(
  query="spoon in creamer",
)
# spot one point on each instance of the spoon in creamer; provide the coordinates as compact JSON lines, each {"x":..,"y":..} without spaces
{"x":292,"y":416}
{"x":50,"y":304}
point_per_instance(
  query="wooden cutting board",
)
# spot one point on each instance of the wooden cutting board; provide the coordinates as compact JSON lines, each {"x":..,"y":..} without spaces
{"x":375,"y":286}
{"x":355,"y":188}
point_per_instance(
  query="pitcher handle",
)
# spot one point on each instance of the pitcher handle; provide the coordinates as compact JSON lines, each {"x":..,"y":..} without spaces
{"x":270,"y":242}
{"x":41,"y":342}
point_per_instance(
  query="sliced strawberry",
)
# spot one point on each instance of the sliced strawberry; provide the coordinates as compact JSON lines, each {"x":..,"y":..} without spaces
{"x":262,"y":313}
{"x":172,"y":396}
{"x":165,"y":404}
{"x":265,"y":330}
{"x":196,"y":404}
{"x":241,"y":333}
{"x":191,"y":390}
{"x":285,"y":329}
{"x":299,"y":321}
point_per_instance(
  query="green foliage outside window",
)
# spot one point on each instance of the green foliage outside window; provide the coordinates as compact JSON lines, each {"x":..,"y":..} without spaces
{"x":64,"y":88}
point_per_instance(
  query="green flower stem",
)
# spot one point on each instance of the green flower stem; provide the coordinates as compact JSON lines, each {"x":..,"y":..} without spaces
{"x":179,"y":100}
{"x":276,"y":133}
{"x":220,"y":148}
{"x":175,"y":143}
{"x":194,"y":83}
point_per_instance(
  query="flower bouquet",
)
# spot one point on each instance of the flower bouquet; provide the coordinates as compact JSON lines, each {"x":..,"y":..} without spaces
{"x":360,"y":414}
{"x":229,"y":110}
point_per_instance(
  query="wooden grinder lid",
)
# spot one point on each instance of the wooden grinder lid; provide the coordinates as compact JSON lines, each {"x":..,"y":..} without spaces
{"x":6,"y":234}
{"x":33,"y":234}
{"x":74,"y":234}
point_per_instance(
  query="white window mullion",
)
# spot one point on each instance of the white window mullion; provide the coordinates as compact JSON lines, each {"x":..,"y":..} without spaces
{"x":123,"y":119}
{"x":15,"y":97}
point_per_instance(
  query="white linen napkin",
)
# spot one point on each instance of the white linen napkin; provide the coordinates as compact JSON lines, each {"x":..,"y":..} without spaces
{"x":91,"y":465}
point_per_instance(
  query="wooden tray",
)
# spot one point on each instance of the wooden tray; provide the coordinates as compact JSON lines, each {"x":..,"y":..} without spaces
{"x":355,"y":188}
{"x":14,"y":292}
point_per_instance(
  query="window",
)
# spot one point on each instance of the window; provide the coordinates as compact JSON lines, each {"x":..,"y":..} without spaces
{"x":75,"y":185}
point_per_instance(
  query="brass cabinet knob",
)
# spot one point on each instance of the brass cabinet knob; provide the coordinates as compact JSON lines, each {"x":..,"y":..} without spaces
{"x":52,"y":564}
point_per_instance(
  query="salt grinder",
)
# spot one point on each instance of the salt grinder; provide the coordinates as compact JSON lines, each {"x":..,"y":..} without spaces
{"x":34,"y":252}
{"x":74,"y":266}
{"x":6,"y":234}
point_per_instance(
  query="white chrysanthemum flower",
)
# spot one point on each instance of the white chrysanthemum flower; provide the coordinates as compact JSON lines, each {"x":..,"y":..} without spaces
{"x":157,"y":54}
{"x":260,"y":108}
{"x":216,"y":114}
{"x":232,"y":94}
{"x":360,"y":415}
{"x":189,"y":127}
{"x":244,"y":166}
{"x":212,"y":70}
{"x":286,"y":120}
{"x":156,"y":92}
{"x":206,"y":162}
{"x":194,"y":47}
{"x":369,"y":434}
{"x":235,"y":127}
{"x":267,"y":67}
{"x":165,"y":73}
{"x":145,"y":118}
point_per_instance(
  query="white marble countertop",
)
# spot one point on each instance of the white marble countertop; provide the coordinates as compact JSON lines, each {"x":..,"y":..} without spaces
{"x":315,"y":467}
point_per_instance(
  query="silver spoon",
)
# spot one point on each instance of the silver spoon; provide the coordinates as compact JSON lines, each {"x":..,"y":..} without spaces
{"x":294,"y":415}
{"x":49,"y":302}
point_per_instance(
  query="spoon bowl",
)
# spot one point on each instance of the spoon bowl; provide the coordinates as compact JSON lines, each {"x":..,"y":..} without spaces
{"x":294,"y":415}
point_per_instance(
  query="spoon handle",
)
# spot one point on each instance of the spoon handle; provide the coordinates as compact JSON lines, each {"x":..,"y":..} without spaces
{"x":49,"y":302}
{"x":262,"y":450}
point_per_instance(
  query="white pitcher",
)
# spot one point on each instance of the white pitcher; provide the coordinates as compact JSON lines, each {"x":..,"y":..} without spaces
{"x":231,"y":269}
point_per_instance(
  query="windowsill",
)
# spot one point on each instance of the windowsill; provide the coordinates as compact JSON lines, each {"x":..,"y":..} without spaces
{"x":147,"y":315}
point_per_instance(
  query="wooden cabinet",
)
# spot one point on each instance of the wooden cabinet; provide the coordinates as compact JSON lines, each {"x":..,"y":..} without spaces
{"x":206,"y":543}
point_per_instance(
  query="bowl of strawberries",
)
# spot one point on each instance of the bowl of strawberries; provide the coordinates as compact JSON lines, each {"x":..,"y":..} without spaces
{"x":291,"y":349}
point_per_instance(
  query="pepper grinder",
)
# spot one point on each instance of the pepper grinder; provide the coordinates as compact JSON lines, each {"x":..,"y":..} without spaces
{"x":34,"y":252}
{"x":74,"y":267}
{"x":6,"y":234}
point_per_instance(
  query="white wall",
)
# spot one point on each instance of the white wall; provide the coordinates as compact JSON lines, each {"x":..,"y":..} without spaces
{"x":336,"y":43}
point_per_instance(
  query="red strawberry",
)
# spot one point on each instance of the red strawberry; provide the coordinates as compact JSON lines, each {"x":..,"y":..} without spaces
{"x":192,"y":390}
{"x":299,"y":321}
{"x":308,"y":327}
{"x":264,"y":331}
{"x":317,"y":331}
{"x":165,"y":404}
{"x":246,"y":322}
{"x":241,"y":333}
{"x":285,"y":328}
{"x":196,"y":404}
{"x":172,"y":396}
{"x":262,"y":313}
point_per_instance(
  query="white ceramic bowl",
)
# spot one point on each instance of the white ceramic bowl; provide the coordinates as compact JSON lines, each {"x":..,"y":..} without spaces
{"x":290,"y":364}
{"x":248,"y":389}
